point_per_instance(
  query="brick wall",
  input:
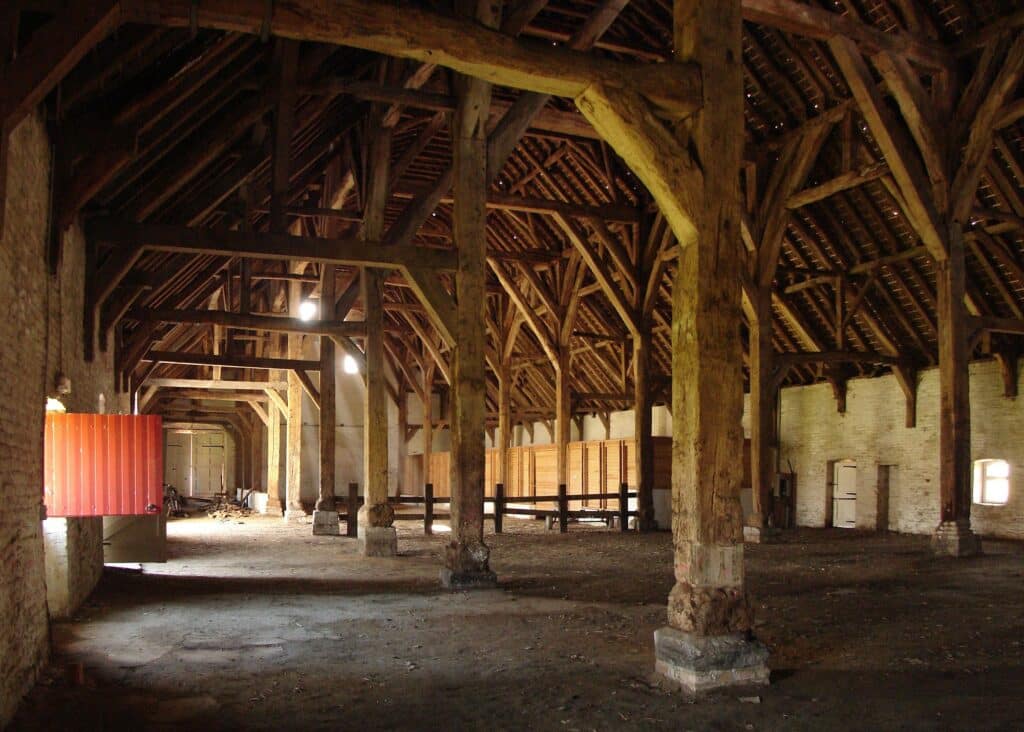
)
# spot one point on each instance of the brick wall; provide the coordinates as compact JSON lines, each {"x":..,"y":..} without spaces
{"x":872,"y":433}
{"x":41,"y":331}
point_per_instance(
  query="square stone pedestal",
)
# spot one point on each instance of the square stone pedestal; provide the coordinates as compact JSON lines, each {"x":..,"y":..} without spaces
{"x":325,"y":523}
{"x":377,"y":541}
{"x":468,"y":580}
{"x":295,"y":514}
{"x":702,"y":663}
{"x":760,"y":534}
{"x":955,"y":539}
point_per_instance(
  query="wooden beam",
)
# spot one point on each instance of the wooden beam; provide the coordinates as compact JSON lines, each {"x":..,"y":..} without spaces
{"x":228,"y":360}
{"x":842,"y":182}
{"x":823,"y":25}
{"x":271,"y":323}
{"x":283,"y":247}
{"x":227,"y":384}
{"x":54,"y":49}
{"x":899,"y":152}
{"x":426,"y":36}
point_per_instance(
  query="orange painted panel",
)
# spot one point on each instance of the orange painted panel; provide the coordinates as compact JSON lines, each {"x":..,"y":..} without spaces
{"x":103,"y":465}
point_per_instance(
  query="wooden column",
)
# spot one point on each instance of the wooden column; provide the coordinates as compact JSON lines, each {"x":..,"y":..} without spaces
{"x":563,"y":416}
{"x":954,"y":535}
{"x":504,"y":420}
{"x":709,"y":614}
{"x":467,"y":557}
{"x":642,"y":428}
{"x":293,"y":442}
{"x":763,"y":398}
{"x":274,"y":506}
{"x":403,"y":439}
{"x":428,"y":421}
{"x":377,"y":535}
{"x":325,"y":516}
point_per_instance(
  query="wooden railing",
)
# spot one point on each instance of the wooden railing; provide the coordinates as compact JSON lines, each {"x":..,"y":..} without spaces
{"x":561,"y":512}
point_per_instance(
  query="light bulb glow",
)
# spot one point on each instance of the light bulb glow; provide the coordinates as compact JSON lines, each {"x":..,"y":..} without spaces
{"x":350,"y":366}
{"x":307,"y":310}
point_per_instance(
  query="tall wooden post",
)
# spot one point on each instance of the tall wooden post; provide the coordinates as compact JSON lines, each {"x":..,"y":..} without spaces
{"x":467,"y":557}
{"x":377,"y":535}
{"x":642,"y":428}
{"x":275,"y":506}
{"x":293,"y":442}
{"x":325,"y":516}
{"x":763,"y":399}
{"x":428,"y":421}
{"x":403,"y":439}
{"x":504,"y":420}
{"x":709,"y":614}
{"x":954,"y":536}
{"x":563,"y":416}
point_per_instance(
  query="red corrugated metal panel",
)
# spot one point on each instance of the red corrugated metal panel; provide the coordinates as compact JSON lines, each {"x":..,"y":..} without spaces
{"x":103,"y":465}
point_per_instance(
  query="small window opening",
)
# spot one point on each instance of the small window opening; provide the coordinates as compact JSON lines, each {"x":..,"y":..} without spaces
{"x":991,"y":482}
{"x":350,"y":365}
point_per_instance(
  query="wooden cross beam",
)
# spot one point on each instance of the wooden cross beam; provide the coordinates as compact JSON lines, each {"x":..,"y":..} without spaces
{"x":242,"y":362}
{"x":430,"y":37}
{"x":255,"y":245}
{"x":225,"y":384}
{"x":272,"y":323}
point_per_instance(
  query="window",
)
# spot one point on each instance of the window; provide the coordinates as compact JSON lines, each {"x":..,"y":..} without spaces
{"x":350,"y":366}
{"x":991,"y":482}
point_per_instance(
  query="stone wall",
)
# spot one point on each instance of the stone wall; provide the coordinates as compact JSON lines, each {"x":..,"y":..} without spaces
{"x":872,"y":433}
{"x":41,"y":332}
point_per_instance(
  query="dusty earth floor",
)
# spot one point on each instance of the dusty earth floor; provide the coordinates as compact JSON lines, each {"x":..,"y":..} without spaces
{"x":261,"y":625}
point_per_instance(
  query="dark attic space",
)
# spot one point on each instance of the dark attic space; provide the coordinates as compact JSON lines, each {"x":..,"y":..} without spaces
{"x":511,"y":364}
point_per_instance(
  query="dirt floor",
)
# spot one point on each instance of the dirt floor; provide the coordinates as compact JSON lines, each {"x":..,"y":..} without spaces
{"x":257,"y":624}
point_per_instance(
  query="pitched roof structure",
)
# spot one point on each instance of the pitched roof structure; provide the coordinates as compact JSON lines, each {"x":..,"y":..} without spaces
{"x":171,"y":127}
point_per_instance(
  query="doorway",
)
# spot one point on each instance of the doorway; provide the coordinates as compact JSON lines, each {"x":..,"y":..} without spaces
{"x":844,"y":495}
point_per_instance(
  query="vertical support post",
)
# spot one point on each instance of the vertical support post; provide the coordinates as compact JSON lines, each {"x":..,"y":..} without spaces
{"x":563,"y":509}
{"x":763,"y":398}
{"x":499,"y":506}
{"x":709,"y":614}
{"x":428,"y":421}
{"x":642,"y":428}
{"x":352,"y":510}
{"x":504,"y":419}
{"x":325,"y":516}
{"x":403,"y":439}
{"x":274,"y":504}
{"x":293,"y":455}
{"x":428,"y":509}
{"x":954,"y":536}
{"x":623,"y":506}
{"x":377,"y":535}
{"x":563,"y":416}
{"x":467,"y":557}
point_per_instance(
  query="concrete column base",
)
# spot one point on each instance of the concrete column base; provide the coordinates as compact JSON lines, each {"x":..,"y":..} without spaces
{"x":325,"y":523}
{"x":761,"y":534}
{"x":955,"y":539}
{"x":485,"y":580}
{"x":273,"y":508}
{"x":294,"y":513}
{"x":702,"y":663}
{"x":377,"y":541}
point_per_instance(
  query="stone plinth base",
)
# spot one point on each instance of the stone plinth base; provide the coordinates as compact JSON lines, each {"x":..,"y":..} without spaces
{"x":325,"y":523}
{"x":955,"y":539}
{"x":294,"y":514}
{"x":486,"y":580}
{"x":760,"y":534}
{"x":377,"y":541}
{"x":273,"y":508}
{"x":701,"y":663}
